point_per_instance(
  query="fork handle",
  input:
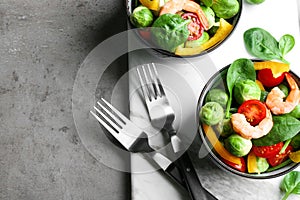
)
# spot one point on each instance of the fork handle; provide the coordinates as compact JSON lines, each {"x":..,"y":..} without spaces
{"x":190,"y":177}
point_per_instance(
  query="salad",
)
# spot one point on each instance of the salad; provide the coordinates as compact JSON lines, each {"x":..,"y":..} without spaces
{"x":251,"y":116}
{"x":184,"y":27}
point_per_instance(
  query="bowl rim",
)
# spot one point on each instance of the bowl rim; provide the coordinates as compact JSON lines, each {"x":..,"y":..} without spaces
{"x":235,"y":21}
{"x":213,"y":156}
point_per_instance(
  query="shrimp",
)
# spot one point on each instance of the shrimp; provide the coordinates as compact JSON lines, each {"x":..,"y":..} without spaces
{"x":241,"y":126}
{"x":174,"y":6}
{"x":275,"y":101}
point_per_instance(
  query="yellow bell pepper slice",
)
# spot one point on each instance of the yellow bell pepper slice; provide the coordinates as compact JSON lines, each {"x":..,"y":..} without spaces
{"x":295,"y":156}
{"x":222,"y":32}
{"x":217,"y":145}
{"x":151,"y":4}
{"x":277,"y":68}
{"x":251,"y":163}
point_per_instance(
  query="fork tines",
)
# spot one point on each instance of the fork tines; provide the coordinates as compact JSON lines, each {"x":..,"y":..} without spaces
{"x":148,"y":77}
{"x":109,"y":117}
{"x":126,"y":132}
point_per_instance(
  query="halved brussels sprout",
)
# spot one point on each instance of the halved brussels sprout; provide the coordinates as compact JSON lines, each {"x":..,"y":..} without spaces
{"x":225,"y":9}
{"x":141,"y":17}
{"x":237,"y":145}
{"x":245,"y":90}
{"x":217,"y":95}
{"x":211,"y":113}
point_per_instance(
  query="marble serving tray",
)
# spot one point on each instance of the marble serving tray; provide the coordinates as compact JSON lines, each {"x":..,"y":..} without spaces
{"x":184,"y":80}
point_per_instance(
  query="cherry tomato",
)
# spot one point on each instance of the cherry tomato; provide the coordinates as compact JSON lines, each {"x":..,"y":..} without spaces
{"x":280,"y":157}
{"x":266,"y":77}
{"x":267,"y":151}
{"x":241,"y":167}
{"x":254,"y":111}
{"x":195,"y":27}
{"x":145,"y":33}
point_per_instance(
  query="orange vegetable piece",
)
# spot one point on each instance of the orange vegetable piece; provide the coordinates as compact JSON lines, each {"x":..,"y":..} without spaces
{"x":217,"y":145}
{"x":151,"y":4}
{"x":277,"y":68}
{"x":251,"y":163}
{"x":295,"y":156}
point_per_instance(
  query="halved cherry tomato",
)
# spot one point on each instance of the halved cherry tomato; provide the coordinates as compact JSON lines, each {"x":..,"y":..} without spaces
{"x":267,"y":151}
{"x":254,"y":111}
{"x":195,"y":27}
{"x":145,"y":33}
{"x":266,"y":77}
{"x":280,"y":157}
{"x":241,"y":167}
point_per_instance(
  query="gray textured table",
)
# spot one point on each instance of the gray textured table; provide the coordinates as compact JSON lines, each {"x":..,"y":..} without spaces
{"x":42,"y":44}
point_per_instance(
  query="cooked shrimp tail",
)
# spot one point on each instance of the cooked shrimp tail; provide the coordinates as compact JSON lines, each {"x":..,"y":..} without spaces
{"x":275,"y":100}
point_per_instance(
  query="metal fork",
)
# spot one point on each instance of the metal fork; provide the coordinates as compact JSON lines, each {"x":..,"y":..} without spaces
{"x":156,"y":101}
{"x":132,"y":137}
{"x":160,"y":112}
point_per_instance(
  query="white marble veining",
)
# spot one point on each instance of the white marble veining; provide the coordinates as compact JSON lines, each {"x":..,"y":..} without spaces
{"x":150,"y":184}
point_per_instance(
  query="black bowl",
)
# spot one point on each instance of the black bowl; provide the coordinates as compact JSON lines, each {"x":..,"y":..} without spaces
{"x":212,"y":82}
{"x":130,"y":5}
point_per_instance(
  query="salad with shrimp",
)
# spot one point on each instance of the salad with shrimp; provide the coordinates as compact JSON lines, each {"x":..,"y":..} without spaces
{"x":185,"y":27}
{"x":251,"y":116}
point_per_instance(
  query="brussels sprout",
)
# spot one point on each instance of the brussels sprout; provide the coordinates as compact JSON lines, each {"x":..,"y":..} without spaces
{"x":295,"y":142}
{"x":225,"y":9}
{"x":141,"y":17}
{"x":262,"y":164}
{"x":195,"y":43}
{"x":296,"y":112}
{"x":237,"y":145}
{"x":246,"y":90}
{"x":225,"y":127}
{"x":284,"y":89}
{"x":217,"y":95}
{"x":255,"y":1}
{"x":210,"y":15}
{"x":211,"y":113}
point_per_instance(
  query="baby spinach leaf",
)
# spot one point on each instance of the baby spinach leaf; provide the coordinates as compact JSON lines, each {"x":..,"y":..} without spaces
{"x":286,"y":44}
{"x":240,"y":69}
{"x":170,"y":31}
{"x":262,"y":44}
{"x":285,"y":127}
{"x":290,"y":184}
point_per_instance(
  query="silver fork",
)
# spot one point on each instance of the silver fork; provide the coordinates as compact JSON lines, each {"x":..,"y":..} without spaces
{"x":132,"y":137}
{"x":129,"y":135}
{"x":160,"y":112}
{"x":135,"y":140}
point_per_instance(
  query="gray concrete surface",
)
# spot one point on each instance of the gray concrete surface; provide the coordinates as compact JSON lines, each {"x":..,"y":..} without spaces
{"x":42,"y":44}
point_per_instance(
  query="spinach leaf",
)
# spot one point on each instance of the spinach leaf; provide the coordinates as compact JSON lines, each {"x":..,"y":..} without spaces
{"x":290,"y":184}
{"x":169,"y":31}
{"x":262,"y":44}
{"x":285,"y":127}
{"x":286,"y":44}
{"x":240,"y":69}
